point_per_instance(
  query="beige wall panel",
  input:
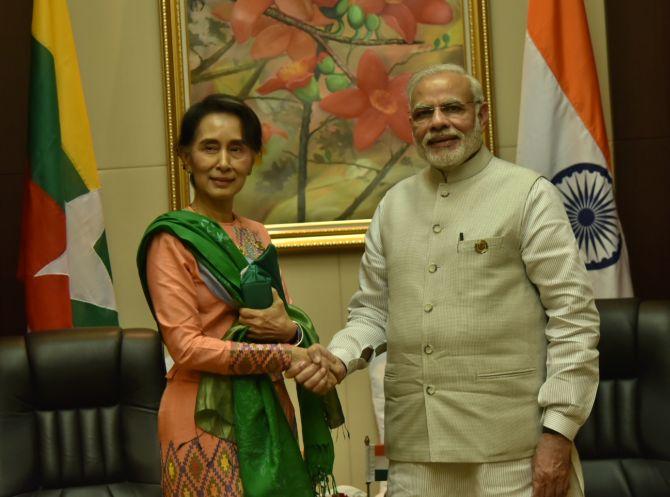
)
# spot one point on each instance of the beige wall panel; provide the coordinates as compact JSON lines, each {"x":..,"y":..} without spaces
{"x":312,"y":281}
{"x":118,"y":45}
{"x":595,"y":11}
{"x":507,"y":153}
{"x":131,"y":199}
{"x":508,"y":27}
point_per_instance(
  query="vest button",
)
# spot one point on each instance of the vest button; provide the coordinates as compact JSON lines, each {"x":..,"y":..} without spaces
{"x":430,"y":390}
{"x":437,"y":228}
{"x":444,"y":194}
{"x":428,"y":307}
{"x":428,"y":349}
{"x":432,"y":268}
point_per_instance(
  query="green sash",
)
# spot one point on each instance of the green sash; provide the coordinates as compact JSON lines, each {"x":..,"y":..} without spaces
{"x":245,"y":408}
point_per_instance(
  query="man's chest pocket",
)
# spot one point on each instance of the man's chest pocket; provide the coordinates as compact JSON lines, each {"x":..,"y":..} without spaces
{"x":481,"y":259}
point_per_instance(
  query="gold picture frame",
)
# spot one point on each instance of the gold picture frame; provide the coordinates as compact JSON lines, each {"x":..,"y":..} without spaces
{"x":325,"y":234}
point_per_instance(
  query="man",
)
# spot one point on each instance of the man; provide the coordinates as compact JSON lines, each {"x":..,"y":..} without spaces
{"x":472,"y":277}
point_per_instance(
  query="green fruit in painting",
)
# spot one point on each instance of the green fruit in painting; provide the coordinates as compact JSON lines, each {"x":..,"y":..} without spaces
{"x":356,"y":16}
{"x":327,"y":65}
{"x":342,"y":7}
{"x":372,"y":22}
{"x":337,"y":82}
{"x":308,"y":93}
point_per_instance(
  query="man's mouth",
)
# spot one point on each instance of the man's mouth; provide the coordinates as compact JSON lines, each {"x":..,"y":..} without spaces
{"x":443,"y":141}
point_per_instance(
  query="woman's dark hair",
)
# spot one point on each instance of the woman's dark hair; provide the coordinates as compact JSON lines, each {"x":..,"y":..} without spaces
{"x":252,"y":133}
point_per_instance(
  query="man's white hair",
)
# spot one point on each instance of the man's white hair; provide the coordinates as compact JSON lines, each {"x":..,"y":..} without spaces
{"x":475,"y":85}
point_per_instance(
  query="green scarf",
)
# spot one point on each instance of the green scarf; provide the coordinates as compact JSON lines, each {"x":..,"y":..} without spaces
{"x":245,"y":408}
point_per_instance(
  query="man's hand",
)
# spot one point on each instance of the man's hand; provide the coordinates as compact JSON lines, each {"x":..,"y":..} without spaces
{"x":316,"y":369}
{"x":271,"y":325}
{"x":551,"y":466}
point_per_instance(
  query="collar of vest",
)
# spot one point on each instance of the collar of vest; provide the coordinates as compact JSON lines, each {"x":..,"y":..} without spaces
{"x":466,"y":170}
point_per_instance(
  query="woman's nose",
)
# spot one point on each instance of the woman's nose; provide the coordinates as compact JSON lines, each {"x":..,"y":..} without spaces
{"x":224,"y":159}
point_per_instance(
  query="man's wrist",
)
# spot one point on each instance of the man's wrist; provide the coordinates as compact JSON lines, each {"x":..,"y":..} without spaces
{"x":341,"y":372}
{"x":549,"y":431}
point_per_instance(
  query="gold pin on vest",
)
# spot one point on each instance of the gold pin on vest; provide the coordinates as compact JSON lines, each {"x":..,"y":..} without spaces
{"x":481,"y":246}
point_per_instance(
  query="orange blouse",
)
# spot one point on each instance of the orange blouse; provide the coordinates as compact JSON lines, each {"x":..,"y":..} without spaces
{"x":193,"y":320}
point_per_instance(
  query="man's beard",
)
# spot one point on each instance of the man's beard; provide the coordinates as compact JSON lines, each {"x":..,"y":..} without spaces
{"x":445,"y":158}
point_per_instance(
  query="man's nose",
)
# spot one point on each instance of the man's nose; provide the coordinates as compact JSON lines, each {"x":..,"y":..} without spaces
{"x":439,"y":119}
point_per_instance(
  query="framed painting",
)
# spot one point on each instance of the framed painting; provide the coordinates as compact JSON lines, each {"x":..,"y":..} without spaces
{"x":327,"y":79}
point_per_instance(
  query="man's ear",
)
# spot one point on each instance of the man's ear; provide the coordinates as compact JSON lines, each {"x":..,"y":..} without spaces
{"x":483,"y":114}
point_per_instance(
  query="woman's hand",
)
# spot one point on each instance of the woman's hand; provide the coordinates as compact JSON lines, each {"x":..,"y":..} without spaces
{"x":269,"y":325}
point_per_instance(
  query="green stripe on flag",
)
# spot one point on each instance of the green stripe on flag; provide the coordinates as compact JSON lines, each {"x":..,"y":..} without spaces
{"x":86,"y":315}
{"x":51,"y":169}
{"x":101,"y":249}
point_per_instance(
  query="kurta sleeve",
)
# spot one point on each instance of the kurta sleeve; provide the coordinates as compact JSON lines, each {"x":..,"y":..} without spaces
{"x":171,"y":272}
{"x":365,"y":331}
{"x":553,"y":264}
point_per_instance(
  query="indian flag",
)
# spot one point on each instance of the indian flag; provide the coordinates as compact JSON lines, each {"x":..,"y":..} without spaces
{"x":64,"y":257}
{"x":377,"y":464}
{"x":562,"y":136}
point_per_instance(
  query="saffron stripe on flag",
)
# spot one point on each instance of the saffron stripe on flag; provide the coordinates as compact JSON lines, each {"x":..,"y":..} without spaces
{"x":377,"y":463}
{"x":561,"y":33}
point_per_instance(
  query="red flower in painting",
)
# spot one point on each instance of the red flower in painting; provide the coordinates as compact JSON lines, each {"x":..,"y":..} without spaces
{"x":378,"y":102}
{"x":404,"y":15}
{"x":274,"y":38}
{"x":270,"y":130}
{"x":290,"y":77}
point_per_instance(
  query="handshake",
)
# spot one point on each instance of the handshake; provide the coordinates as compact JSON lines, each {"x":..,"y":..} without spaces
{"x":315,"y":368}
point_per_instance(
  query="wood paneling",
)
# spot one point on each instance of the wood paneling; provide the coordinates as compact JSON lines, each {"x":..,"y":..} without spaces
{"x":15,"y":57}
{"x":639,"y":62}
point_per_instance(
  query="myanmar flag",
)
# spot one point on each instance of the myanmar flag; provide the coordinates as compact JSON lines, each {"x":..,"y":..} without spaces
{"x":562,"y":136}
{"x":64,"y":258}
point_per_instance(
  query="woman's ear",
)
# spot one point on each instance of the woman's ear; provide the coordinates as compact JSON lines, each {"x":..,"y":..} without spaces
{"x":184,"y":156}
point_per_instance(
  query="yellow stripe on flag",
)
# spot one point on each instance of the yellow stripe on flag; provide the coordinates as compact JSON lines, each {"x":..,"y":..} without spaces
{"x":51,"y":27}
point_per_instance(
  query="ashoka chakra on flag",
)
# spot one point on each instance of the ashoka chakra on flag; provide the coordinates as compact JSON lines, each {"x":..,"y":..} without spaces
{"x":589,"y":201}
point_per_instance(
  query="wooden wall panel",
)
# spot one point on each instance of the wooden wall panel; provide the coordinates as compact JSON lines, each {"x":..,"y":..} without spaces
{"x":15,"y":70}
{"x":639,"y":63}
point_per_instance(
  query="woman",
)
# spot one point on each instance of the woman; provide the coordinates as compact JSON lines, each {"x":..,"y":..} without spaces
{"x":219,"y":144}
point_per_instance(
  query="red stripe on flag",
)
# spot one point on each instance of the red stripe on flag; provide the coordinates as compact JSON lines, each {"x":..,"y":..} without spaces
{"x":560,"y":31}
{"x":43,"y":239}
{"x":379,"y":450}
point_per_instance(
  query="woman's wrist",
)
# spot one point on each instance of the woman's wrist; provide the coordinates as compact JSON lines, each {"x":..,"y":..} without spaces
{"x":298,"y":335}
{"x":293,"y":333}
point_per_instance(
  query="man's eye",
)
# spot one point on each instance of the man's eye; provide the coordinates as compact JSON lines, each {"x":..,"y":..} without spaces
{"x":452,"y":109}
{"x":421,"y":114}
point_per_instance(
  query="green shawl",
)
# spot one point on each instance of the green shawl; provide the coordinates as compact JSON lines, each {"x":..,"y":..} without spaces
{"x":245,"y":408}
